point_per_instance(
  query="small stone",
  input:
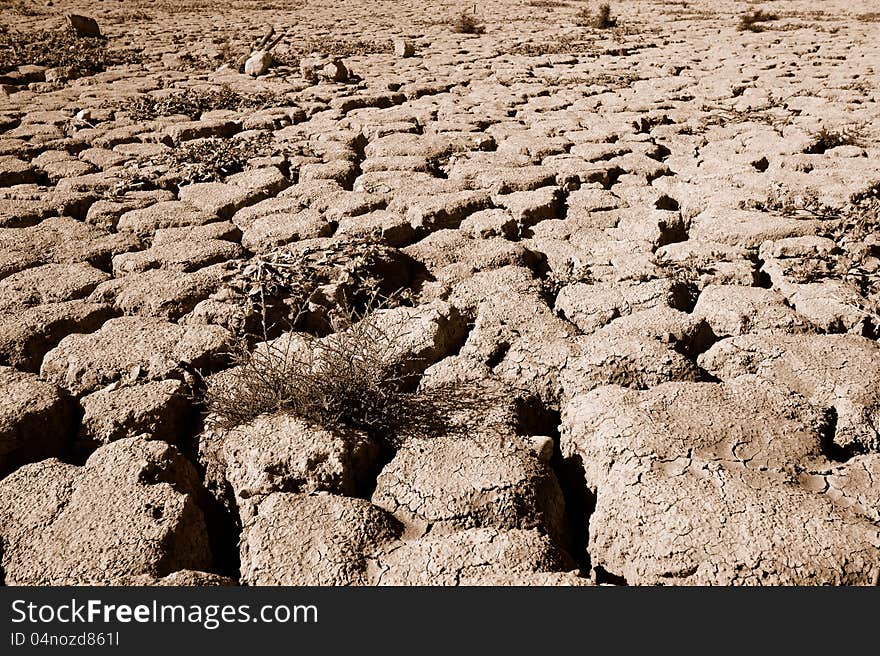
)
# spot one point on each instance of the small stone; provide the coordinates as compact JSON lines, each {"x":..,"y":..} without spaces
{"x":258,"y":63}
{"x":54,"y":75}
{"x":543,"y":446}
{"x":404,"y":48}
{"x":334,"y":71}
{"x":83,"y":25}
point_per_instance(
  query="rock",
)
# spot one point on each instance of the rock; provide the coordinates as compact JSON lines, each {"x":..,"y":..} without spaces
{"x":60,"y":240}
{"x":188,"y":577}
{"x":619,"y":359}
{"x":592,"y":306}
{"x":276,"y":229}
{"x":320,"y":539}
{"x":445,"y":210}
{"x":530,"y":207}
{"x":490,"y":223}
{"x":445,"y":484}
{"x":224,"y":199}
{"x":403,"y":48}
{"x":258,"y":63}
{"x":280,"y":453}
{"x":735,"y":310}
{"x":688,"y":334}
{"x":334,"y":71}
{"x":14,"y":171}
{"x":84,"y":26}
{"x":179,"y":255}
{"x":131,"y":510}
{"x":50,"y":283}
{"x":36,"y":420}
{"x":420,"y":336}
{"x":467,"y":557}
{"x":748,"y":228}
{"x":28,"y":333}
{"x":515,"y":334}
{"x":696,"y":483}
{"x":837,"y":372}
{"x":55,"y":75}
{"x":131,"y":347}
{"x":154,"y":410}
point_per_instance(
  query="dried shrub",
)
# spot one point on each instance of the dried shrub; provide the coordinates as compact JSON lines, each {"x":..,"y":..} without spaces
{"x":783,"y":201}
{"x":824,"y":139}
{"x":307,"y":280}
{"x":62,"y":49}
{"x":201,"y":160}
{"x":466,"y":23}
{"x":751,"y":21}
{"x":356,"y":377}
{"x":853,"y":227}
{"x":601,"y":19}
{"x":193,"y":102}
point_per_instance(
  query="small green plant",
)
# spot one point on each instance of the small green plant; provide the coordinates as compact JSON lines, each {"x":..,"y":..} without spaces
{"x":601,"y":19}
{"x":465,"y":23}
{"x":751,"y":21}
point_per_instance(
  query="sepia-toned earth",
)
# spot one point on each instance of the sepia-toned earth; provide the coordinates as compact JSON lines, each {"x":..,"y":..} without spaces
{"x":654,"y":247}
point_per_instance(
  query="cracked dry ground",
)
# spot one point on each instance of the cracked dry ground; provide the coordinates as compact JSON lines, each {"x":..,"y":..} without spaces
{"x":634,"y":236}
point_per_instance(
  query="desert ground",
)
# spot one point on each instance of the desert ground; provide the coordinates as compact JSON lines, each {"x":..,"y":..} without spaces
{"x":519,"y":299}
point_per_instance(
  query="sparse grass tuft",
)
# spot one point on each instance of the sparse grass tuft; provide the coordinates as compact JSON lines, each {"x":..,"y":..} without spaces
{"x":305,"y":281}
{"x":853,"y":227}
{"x":465,"y":23}
{"x":601,"y":19}
{"x":751,"y":21}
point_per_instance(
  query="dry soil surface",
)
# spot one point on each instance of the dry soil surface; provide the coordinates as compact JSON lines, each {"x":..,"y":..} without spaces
{"x":656,"y":244}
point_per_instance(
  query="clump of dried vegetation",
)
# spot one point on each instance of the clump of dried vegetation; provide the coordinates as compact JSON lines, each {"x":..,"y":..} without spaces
{"x":193,"y":102}
{"x":601,"y":19}
{"x":356,"y":377}
{"x":825,"y":139}
{"x":360,"y":376}
{"x":466,"y":23}
{"x":752,"y":21}
{"x":307,"y":281}
{"x":212,"y":159}
{"x":62,"y":49}
{"x":853,"y":227}
{"x":546,"y":3}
